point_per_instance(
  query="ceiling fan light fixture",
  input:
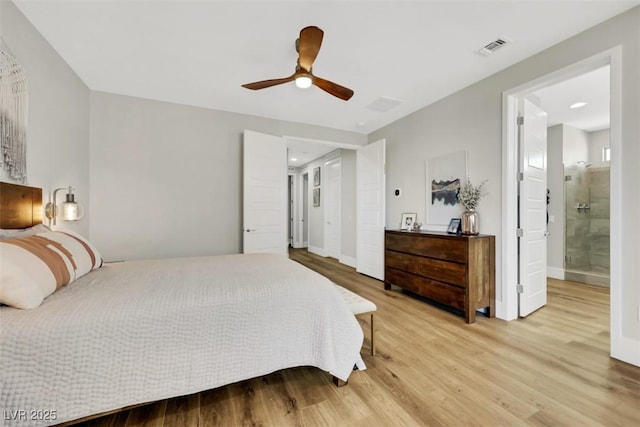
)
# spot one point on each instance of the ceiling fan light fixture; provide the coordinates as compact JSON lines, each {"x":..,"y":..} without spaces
{"x":308,"y":46}
{"x":303,"y":81}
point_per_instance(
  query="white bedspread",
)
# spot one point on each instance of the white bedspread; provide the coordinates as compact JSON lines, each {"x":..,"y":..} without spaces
{"x":142,"y":331}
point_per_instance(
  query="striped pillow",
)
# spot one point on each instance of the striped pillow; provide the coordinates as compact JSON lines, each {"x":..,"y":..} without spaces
{"x":36,"y":266}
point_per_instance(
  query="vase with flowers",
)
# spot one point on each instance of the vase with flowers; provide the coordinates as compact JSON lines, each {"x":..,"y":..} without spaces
{"x":469,"y":196}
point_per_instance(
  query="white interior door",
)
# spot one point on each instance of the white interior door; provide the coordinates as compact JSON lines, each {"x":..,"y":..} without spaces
{"x":265,"y":193}
{"x":533,"y":205}
{"x":370,"y":177}
{"x":333,"y":208}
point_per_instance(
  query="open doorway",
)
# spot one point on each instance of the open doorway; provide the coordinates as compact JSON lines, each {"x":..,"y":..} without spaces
{"x":579,"y":177}
{"x":513,"y":159}
{"x":323,"y":201}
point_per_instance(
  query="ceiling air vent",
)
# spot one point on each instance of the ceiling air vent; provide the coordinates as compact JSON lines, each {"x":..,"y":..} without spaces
{"x":384,"y":104}
{"x":489,"y":48}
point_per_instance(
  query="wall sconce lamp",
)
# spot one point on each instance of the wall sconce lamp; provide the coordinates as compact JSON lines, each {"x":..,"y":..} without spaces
{"x":69,"y":209}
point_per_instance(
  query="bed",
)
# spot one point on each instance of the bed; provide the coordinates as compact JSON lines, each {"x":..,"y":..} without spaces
{"x":135,"y":332}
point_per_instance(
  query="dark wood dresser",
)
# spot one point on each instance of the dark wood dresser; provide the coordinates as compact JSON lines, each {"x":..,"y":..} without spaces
{"x":455,"y":270}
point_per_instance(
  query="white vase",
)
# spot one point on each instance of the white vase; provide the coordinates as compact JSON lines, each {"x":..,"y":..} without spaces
{"x":470,"y":222}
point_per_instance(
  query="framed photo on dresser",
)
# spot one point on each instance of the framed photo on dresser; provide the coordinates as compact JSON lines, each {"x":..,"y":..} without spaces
{"x":454,"y":226}
{"x":407,"y":221}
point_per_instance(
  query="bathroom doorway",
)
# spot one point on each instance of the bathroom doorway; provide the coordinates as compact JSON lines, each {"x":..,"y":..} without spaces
{"x":578,"y":185}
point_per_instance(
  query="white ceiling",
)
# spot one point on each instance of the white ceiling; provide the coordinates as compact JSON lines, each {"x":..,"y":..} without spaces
{"x":303,"y":150}
{"x":199,"y":53}
{"x":592,"y":88}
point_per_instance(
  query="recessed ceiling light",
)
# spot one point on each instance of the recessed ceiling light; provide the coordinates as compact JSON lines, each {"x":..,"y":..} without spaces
{"x":578,"y":104}
{"x":293,"y":159}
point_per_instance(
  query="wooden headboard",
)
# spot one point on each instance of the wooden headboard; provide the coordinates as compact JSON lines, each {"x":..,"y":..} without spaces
{"x":20,"y":206}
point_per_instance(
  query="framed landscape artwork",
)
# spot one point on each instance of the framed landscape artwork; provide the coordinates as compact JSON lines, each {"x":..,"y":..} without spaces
{"x":445,"y":174}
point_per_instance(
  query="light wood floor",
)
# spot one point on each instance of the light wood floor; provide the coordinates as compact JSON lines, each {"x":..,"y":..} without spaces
{"x":432,"y":369}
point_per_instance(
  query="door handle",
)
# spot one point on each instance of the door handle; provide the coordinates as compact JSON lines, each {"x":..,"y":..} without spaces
{"x":249,"y":230}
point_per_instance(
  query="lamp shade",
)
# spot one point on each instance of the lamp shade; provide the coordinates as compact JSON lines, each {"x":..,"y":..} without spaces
{"x":71,"y":211}
{"x":303,"y":81}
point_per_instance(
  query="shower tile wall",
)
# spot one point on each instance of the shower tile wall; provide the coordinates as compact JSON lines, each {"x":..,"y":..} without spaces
{"x":587,"y":230}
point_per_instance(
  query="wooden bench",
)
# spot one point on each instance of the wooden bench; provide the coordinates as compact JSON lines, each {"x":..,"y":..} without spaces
{"x":360,"y":307}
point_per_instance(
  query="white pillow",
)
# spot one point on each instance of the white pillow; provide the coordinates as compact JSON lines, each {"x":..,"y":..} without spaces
{"x":23,"y":232}
{"x":34,"y":267}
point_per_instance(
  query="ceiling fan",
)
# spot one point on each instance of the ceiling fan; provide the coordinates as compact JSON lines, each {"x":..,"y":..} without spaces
{"x":307,"y":46}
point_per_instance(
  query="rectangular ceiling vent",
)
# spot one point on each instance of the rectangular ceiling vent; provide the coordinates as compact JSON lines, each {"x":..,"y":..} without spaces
{"x":489,"y":48}
{"x":384,"y":104}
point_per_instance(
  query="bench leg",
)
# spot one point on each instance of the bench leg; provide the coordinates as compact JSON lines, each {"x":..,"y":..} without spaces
{"x":338,"y":382}
{"x":373,"y":336}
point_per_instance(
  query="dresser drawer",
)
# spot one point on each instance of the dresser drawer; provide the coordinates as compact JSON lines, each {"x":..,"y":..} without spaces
{"x":444,"y":271}
{"x":416,"y":244}
{"x":452,"y":296}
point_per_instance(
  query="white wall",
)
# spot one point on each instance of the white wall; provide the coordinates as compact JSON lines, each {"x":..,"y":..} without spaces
{"x":472,"y":118}
{"x":167,"y":178}
{"x":467,"y":120}
{"x":315,"y":213}
{"x":555,"y":183}
{"x":58,"y":132}
{"x":597,"y":141}
{"x":575,"y":145}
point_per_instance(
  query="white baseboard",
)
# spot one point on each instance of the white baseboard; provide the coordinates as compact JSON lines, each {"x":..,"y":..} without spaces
{"x":316,"y":250}
{"x":626,"y":349}
{"x":555,"y":273}
{"x":347,"y":260}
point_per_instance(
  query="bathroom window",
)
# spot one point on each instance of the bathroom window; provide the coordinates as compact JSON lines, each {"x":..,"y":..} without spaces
{"x":606,"y":154}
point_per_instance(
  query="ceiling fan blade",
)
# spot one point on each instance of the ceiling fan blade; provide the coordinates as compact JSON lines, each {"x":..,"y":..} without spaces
{"x":268,"y":83}
{"x":308,"y":46}
{"x":333,"y":88}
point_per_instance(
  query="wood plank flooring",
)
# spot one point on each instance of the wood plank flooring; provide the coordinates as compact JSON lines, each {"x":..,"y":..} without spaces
{"x":550,"y":369}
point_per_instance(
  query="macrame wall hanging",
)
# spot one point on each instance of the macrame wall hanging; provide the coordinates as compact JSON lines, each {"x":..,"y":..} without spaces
{"x":14,"y":111}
